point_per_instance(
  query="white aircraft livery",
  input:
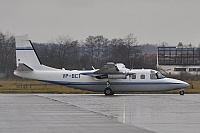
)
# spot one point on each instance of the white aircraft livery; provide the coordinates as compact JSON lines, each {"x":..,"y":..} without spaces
{"x":109,"y":79}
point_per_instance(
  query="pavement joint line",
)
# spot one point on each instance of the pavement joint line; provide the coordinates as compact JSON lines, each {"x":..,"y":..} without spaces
{"x":98,"y":113}
{"x":41,"y":113}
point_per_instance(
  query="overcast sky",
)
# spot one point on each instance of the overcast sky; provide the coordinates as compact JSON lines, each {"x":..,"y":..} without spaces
{"x":151,"y":21}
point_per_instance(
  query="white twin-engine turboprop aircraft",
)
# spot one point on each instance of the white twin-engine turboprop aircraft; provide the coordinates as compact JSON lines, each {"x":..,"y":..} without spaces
{"x":109,"y":79}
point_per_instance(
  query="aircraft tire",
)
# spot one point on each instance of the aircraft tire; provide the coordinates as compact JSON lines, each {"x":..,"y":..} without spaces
{"x":181,"y":92}
{"x":108,"y":91}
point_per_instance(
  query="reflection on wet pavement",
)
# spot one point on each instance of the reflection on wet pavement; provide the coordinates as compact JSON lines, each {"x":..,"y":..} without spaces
{"x":160,"y":113}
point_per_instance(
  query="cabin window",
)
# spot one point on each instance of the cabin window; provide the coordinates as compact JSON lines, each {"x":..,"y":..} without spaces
{"x":153,"y":76}
{"x":134,"y":76}
{"x":142,"y":76}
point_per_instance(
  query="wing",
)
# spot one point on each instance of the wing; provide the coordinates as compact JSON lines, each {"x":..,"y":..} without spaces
{"x":109,"y":70}
{"x":109,"y":67}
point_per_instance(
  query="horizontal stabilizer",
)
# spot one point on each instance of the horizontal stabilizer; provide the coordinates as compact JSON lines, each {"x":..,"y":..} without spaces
{"x":23,"y":67}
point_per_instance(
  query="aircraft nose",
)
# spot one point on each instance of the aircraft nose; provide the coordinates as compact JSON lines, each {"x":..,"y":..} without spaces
{"x":178,"y":84}
{"x":184,"y":84}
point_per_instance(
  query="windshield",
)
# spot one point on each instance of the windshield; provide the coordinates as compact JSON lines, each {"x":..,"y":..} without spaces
{"x":159,"y":75}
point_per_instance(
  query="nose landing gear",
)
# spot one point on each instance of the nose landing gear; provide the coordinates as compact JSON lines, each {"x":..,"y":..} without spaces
{"x":181,"y":92}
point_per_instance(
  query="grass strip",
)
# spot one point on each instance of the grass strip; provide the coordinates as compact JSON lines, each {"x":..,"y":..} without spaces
{"x":32,"y":86}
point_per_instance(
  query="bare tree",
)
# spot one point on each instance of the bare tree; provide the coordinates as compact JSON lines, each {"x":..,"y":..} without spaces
{"x":7,"y":54}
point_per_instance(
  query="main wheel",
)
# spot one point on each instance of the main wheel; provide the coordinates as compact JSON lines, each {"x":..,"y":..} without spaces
{"x":108,"y":91}
{"x":181,"y":92}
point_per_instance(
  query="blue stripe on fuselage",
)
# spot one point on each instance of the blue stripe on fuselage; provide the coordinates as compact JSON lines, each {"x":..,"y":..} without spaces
{"x":104,"y":83}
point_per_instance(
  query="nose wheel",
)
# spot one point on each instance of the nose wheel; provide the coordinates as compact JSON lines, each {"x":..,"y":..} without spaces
{"x":181,"y":92}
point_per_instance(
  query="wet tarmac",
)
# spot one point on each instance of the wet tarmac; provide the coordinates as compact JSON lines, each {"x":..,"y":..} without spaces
{"x":98,"y":113}
{"x":38,"y":114}
{"x":162,"y":113}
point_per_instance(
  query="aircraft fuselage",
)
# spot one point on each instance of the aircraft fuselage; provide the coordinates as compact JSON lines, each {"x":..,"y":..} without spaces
{"x":77,"y":80}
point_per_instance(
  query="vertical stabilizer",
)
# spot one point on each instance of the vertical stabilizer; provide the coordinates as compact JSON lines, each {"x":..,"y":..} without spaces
{"x":25,"y":53}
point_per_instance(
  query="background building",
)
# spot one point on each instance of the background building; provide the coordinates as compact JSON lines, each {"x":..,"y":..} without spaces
{"x":180,"y":59}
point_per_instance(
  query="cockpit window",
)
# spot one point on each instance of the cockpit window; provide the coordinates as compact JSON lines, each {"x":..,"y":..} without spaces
{"x":159,"y":75}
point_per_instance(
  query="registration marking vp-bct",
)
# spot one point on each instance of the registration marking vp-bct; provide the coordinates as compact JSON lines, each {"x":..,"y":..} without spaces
{"x":71,"y":75}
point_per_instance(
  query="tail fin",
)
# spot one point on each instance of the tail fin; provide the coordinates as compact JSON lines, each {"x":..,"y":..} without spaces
{"x":25,"y":53}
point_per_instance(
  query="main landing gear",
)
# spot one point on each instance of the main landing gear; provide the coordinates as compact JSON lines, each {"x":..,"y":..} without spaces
{"x":108,"y":91}
{"x":181,"y":92}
